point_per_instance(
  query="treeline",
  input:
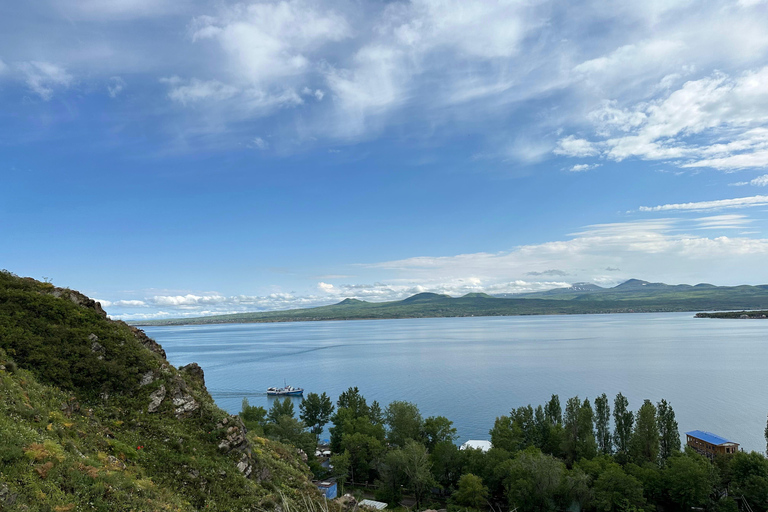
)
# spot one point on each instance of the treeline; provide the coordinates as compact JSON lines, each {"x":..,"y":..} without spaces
{"x":547,"y":458}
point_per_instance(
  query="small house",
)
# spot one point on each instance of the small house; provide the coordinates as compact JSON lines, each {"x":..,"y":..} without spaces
{"x":709,"y":444}
{"x":328,"y":489}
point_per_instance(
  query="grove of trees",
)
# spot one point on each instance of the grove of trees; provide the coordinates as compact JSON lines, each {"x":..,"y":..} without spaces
{"x":591,"y":456}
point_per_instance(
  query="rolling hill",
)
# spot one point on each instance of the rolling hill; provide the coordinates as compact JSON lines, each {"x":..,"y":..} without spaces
{"x":632,"y":296}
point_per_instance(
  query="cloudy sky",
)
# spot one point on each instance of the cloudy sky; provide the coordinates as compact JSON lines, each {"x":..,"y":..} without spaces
{"x":186,"y":157}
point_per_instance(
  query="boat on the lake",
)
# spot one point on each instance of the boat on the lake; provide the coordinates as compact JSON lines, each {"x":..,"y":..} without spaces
{"x":285,"y":391}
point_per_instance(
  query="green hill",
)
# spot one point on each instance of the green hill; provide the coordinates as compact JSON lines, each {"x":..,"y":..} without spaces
{"x":633,"y":296}
{"x":93,"y":417}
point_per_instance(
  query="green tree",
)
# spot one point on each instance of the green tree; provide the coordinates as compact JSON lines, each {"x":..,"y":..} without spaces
{"x":447,"y":465}
{"x":315,"y":411}
{"x":749,"y":478}
{"x":669,"y":435}
{"x":341,"y":464}
{"x":645,"y":437}
{"x":437,"y":429}
{"x":602,"y":424}
{"x":254,"y":417}
{"x":280,"y":408}
{"x":471,"y":492}
{"x":689,"y":479}
{"x":623,"y":420}
{"x":288,"y":429}
{"x":579,"y":437}
{"x":553,"y":411}
{"x":354,"y":401}
{"x":392,"y":477}
{"x":533,"y":480}
{"x":375,"y":413}
{"x":417,"y":468}
{"x":404,"y":422}
{"x":615,"y":491}
{"x":364,"y":452}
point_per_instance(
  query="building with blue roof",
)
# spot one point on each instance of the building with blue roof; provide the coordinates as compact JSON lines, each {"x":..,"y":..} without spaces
{"x":709,"y":444}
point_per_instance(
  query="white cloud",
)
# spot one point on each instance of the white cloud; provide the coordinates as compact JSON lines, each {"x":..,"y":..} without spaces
{"x":186,"y":300}
{"x":326,"y":287}
{"x":575,"y":147}
{"x":583,"y":167}
{"x":43,"y":77}
{"x":115,"y":86}
{"x":195,"y":90}
{"x":740,"y":202}
{"x":732,"y":221}
{"x":260,"y":143}
{"x":3,"y":67}
{"x":269,"y":41}
{"x":729,"y":112}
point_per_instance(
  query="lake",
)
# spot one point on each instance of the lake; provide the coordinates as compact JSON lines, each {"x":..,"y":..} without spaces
{"x":471,"y":370}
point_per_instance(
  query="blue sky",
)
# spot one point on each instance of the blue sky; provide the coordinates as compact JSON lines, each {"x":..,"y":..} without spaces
{"x":175,"y":158}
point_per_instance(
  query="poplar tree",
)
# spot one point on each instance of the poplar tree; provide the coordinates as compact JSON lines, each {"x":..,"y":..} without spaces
{"x":579,"y":438}
{"x":623,"y":420}
{"x":645,"y":437}
{"x":602,"y":424}
{"x":553,"y":411}
{"x":669,"y":435}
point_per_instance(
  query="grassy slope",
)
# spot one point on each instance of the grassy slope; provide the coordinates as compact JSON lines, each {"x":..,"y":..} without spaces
{"x":622,"y":299}
{"x":76,"y":433}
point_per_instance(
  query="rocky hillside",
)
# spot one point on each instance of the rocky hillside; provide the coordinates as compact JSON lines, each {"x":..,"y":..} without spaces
{"x":93,"y":417}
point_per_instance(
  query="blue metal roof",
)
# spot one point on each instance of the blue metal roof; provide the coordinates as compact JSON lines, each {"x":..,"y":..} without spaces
{"x":708,"y":437}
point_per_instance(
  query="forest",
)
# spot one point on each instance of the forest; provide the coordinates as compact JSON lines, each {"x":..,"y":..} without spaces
{"x":592,"y":456}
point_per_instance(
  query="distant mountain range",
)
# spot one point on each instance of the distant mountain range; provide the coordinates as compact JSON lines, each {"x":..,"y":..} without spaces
{"x":633,"y":296}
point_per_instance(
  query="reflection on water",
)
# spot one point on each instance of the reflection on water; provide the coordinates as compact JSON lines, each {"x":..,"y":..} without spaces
{"x":475,"y":369}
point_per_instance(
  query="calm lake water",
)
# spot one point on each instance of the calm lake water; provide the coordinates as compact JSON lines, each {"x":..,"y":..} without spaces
{"x":471,"y":370}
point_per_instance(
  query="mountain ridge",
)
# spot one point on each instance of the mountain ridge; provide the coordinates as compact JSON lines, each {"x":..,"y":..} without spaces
{"x":631,"y":296}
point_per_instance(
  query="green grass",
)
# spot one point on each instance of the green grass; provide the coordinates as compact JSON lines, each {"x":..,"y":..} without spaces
{"x":76,"y":434}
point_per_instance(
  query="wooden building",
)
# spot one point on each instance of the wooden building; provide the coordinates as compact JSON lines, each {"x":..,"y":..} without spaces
{"x":709,"y":444}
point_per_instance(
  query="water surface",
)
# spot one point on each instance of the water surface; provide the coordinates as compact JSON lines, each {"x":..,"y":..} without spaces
{"x":471,"y":370}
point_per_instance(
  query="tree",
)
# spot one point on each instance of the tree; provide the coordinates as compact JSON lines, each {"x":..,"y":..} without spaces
{"x":288,"y":429}
{"x":623,"y":420}
{"x":645,"y":437}
{"x":404,"y":422}
{"x":375,"y":413}
{"x":341,"y":467}
{"x":749,"y":478}
{"x":553,"y":411}
{"x":617,"y":491}
{"x":533,"y":480}
{"x":447,"y":465}
{"x":602,"y":424}
{"x":352,"y":399}
{"x":669,"y":435}
{"x":392,"y":477}
{"x":254,"y":417}
{"x":280,"y":408}
{"x":437,"y":429}
{"x":689,"y":479}
{"x":364,"y":452}
{"x":417,"y":468}
{"x":315,"y":412}
{"x":579,"y":438}
{"x":471,"y":492}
